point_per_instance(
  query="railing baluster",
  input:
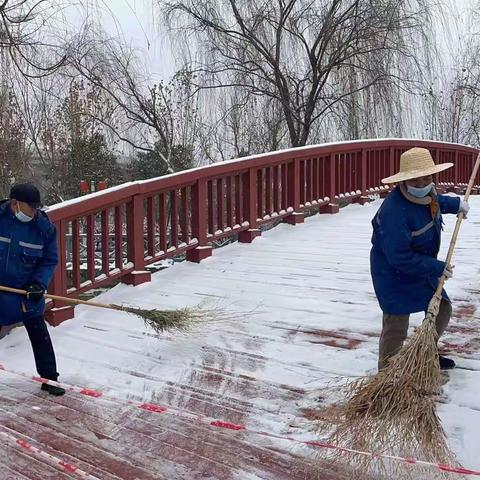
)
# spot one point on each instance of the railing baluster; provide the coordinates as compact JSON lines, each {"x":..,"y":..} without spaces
{"x":162,"y":222}
{"x":268,"y":190}
{"x":284,"y":176}
{"x":315,"y":179}
{"x":174,"y":219}
{"x":91,"y":247}
{"x":105,"y":243}
{"x":184,"y":216}
{"x":118,"y":239}
{"x":302,"y":182}
{"x":229,"y":202}
{"x":211,"y":208}
{"x":308,"y":179}
{"x":220,"y":199}
{"x":260,"y":193}
{"x":150,"y":227}
{"x":76,"y":254}
{"x":276,"y":189}
{"x":238,"y":201}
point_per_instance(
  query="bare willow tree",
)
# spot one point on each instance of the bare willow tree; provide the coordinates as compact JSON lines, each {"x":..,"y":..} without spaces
{"x":158,"y":119}
{"x":458,"y":104}
{"x":294,"y":51}
{"x":235,"y":125}
{"x":35,"y":36}
{"x":451,"y":100}
{"x":14,"y":155}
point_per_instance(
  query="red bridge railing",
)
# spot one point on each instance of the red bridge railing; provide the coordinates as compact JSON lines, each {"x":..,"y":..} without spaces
{"x":114,"y":234}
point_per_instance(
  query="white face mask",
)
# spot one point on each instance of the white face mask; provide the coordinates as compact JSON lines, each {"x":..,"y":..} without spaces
{"x":23,"y":217}
{"x":420,"y":192}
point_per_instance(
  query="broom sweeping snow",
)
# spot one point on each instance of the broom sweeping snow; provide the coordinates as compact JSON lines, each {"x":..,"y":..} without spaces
{"x":159,"y":320}
{"x":394,"y":411}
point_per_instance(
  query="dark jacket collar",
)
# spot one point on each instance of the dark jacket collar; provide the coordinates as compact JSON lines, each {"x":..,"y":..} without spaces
{"x":4,"y":206}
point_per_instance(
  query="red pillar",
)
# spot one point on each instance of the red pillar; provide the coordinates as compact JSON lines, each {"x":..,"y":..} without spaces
{"x":60,"y":311}
{"x":249,"y":187}
{"x":199,"y":223}
{"x":293,"y":193}
{"x":136,"y":242}
{"x":332,"y":206}
{"x":364,"y":198}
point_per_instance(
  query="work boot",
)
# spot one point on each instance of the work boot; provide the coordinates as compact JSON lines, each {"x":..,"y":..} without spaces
{"x":446,"y":363}
{"x":53,"y":390}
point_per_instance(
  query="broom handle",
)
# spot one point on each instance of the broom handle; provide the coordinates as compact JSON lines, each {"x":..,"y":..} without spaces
{"x":72,"y":301}
{"x":460,"y":217}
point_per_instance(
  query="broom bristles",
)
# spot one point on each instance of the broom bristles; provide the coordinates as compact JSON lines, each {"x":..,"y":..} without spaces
{"x":394,"y":411}
{"x":180,"y":319}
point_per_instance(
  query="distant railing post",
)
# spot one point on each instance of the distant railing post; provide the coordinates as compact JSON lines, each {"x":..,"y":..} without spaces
{"x":391,"y":171}
{"x":293,"y":193}
{"x":391,"y":162}
{"x":436,"y":159}
{"x":455,"y":167}
{"x":364,"y":198}
{"x":250,"y":195}
{"x":136,"y":242}
{"x":332,"y":206}
{"x":199,"y":223}
{"x":475,"y":189}
{"x":60,"y":311}
{"x":363,"y":171}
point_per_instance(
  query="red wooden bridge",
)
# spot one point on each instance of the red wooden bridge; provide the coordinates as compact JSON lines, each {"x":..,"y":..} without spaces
{"x":124,"y":229}
{"x":227,"y":402}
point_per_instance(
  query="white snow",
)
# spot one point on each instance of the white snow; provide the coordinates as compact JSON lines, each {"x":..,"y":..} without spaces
{"x":304,"y":287}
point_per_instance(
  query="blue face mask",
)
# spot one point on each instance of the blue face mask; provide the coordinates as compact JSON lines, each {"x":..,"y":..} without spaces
{"x":22,"y":217}
{"x":420,"y":192}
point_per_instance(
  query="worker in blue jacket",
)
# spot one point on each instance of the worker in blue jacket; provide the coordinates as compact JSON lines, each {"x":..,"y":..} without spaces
{"x":405,"y":244}
{"x":28,"y":257}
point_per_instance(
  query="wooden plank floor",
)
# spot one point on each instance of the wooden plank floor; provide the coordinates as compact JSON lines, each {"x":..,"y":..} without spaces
{"x":312,"y":322}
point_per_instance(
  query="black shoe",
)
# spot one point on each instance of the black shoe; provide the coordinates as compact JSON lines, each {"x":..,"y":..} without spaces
{"x":53,"y":390}
{"x":446,"y":363}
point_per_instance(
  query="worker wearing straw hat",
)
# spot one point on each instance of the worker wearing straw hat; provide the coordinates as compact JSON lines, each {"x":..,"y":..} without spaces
{"x":405,"y":244}
{"x":28,"y":257}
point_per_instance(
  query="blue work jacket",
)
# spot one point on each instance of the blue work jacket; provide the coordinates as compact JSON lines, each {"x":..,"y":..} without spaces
{"x":405,"y":244}
{"x":28,"y":254}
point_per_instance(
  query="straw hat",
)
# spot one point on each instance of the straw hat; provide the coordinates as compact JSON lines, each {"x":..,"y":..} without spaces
{"x":414,"y":163}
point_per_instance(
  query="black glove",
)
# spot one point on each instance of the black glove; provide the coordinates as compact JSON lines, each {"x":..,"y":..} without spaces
{"x":34,"y":292}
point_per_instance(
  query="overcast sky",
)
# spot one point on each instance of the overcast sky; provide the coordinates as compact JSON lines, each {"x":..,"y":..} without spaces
{"x":137,"y":22}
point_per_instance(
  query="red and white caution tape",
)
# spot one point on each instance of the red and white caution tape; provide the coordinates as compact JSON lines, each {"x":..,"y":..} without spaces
{"x":154,"y":408}
{"x":50,"y":459}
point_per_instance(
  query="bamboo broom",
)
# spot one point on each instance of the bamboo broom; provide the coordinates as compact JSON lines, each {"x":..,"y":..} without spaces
{"x":395,"y":410}
{"x":159,"y":320}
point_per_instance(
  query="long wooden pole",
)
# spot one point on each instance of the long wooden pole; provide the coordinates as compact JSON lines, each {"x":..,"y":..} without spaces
{"x":460,"y":217}
{"x":71,"y":301}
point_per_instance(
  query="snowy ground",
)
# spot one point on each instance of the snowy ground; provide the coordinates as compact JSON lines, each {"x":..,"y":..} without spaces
{"x":315,"y":319}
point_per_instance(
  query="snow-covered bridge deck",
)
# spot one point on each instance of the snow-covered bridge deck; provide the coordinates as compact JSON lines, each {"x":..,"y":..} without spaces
{"x":315,"y":322}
